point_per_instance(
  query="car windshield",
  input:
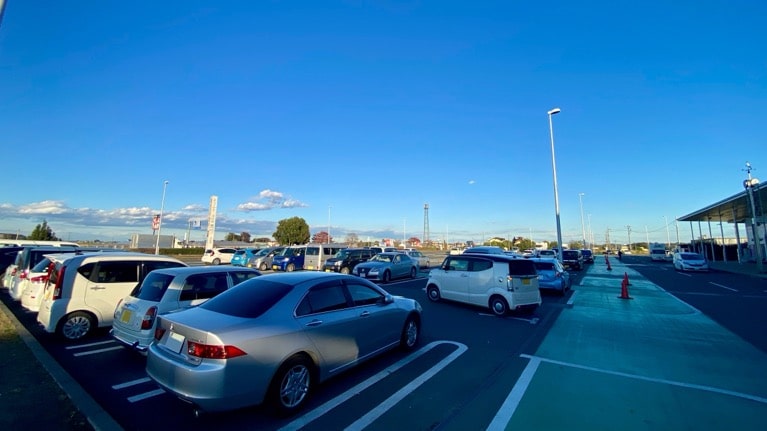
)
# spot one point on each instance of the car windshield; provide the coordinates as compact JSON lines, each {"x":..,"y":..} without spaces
{"x":586,"y":252}
{"x":41,"y":266}
{"x":544,"y":266}
{"x":382,"y":258}
{"x":153,"y":287}
{"x":248,"y":299}
{"x":692,"y":256}
{"x":342,"y":254}
{"x":239,"y":252}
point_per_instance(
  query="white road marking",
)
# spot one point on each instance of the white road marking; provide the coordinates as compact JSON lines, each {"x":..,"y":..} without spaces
{"x":94,"y":352}
{"x":723,"y":287}
{"x":756,"y":398}
{"x":146,"y":395}
{"x":324,"y":408}
{"x":509,"y":406}
{"x":131,"y":383}
{"x":382,"y":408}
{"x":572,"y":298}
{"x":82,"y":346}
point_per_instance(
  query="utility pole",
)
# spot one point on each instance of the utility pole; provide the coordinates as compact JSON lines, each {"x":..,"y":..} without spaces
{"x":628,"y":228}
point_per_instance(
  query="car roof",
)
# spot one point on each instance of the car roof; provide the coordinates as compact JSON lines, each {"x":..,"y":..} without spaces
{"x":487,"y":256}
{"x":187,"y":270}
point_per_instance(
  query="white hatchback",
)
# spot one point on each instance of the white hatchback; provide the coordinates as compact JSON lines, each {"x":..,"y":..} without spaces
{"x":166,"y":290}
{"x":83,"y":290}
{"x":498,"y":282}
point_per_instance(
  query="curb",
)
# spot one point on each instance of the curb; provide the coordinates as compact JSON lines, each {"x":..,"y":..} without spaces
{"x":97,"y":416}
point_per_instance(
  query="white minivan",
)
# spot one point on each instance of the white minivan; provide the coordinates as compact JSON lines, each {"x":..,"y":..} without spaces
{"x":498,"y":282}
{"x":83,"y":290}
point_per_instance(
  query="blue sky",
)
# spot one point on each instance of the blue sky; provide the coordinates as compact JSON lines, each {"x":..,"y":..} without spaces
{"x":357,"y":113}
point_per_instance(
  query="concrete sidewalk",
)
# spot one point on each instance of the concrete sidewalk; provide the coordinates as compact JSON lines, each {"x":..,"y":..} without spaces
{"x":746,"y":268}
{"x":648,"y":363}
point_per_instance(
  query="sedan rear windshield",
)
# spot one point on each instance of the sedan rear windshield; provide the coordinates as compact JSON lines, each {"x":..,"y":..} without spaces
{"x":153,"y":287}
{"x":544,"y":266}
{"x":522,"y":267}
{"x":248,"y":299}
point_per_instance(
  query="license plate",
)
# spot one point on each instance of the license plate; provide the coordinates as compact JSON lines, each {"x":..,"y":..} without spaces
{"x":274,"y":267}
{"x":327,"y":270}
{"x":175,"y":342}
{"x":310,"y":267}
{"x":125,"y":316}
{"x":525,"y":281}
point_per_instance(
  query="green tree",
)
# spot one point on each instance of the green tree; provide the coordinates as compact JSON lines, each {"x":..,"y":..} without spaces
{"x":292,"y":231}
{"x":245,"y":237}
{"x":231,"y":236}
{"x":43,"y":232}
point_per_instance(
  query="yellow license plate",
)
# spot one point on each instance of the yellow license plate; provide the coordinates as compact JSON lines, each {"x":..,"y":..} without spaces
{"x":525,"y":281}
{"x":125,"y":316}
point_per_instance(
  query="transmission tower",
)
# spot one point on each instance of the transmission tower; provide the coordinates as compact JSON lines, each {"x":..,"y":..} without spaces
{"x":425,"y":223}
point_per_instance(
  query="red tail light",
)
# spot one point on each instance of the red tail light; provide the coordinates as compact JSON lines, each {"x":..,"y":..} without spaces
{"x":59,"y":281}
{"x":23,"y":274}
{"x":206,"y":351}
{"x":148,"y":320}
{"x":13,"y":271}
{"x":158,"y":333}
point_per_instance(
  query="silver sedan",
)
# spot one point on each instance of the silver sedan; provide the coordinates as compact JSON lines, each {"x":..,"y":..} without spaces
{"x":387,"y":266}
{"x":273,"y":338}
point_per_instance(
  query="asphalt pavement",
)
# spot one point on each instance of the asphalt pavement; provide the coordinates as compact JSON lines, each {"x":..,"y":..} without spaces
{"x":638,"y":359}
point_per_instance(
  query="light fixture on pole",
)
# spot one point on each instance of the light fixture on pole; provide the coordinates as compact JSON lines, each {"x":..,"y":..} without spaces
{"x":159,"y":225}
{"x":556,"y":191}
{"x":583,"y":225}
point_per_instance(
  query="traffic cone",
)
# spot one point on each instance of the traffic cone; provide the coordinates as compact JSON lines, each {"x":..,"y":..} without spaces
{"x":626,"y":279}
{"x":625,"y":290}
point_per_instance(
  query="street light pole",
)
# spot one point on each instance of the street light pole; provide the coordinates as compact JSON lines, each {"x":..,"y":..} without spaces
{"x":749,"y":185}
{"x":556,"y":191}
{"x":159,"y":225}
{"x":329,"y":223}
{"x":583,"y":226}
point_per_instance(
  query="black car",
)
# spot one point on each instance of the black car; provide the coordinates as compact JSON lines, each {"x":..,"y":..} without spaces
{"x":588,"y":256}
{"x":345,"y":260}
{"x":572,"y":259}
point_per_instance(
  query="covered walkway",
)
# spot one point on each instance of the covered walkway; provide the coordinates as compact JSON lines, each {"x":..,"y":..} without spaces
{"x":746,"y":211}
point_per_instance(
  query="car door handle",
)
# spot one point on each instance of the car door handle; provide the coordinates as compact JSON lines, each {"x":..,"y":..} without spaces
{"x":98,"y":288}
{"x":464,"y":275}
{"x":315,"y":322}
{"x":365,"y":314}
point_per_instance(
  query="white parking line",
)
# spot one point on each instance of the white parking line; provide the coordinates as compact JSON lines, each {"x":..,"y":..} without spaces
{"x":509,"y":406}
{"x":324,"y":408}
{"x":572,"y":298}
{"x":146,"y":395}
{"x":82,"y":346}
{"x":131,"y":383}
{"x":93,"y":352}
{"x":723,"y":287}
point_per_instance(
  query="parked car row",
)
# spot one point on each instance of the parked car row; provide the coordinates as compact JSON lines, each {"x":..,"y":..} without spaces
{"x":225,"y":337}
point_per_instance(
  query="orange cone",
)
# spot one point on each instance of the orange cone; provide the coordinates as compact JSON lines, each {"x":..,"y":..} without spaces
{"x":626,"y":279}
{"x":625,"y":290}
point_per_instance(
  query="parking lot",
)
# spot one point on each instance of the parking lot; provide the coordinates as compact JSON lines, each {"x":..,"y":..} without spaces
{"x":589,"y":360}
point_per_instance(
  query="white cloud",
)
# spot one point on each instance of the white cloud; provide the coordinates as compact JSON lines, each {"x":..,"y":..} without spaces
{"x":269,"y":199}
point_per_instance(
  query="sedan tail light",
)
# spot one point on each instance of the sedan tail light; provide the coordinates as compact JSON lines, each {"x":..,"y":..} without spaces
{"x":207,"y":351}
